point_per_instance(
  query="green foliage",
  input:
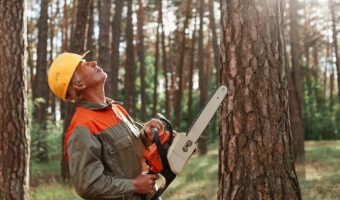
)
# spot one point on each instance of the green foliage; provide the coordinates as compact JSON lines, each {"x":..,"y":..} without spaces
{"x":53,"y":134}
{"x":320,"y":118}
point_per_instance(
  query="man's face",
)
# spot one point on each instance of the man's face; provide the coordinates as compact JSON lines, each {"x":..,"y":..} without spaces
{"x":89,"y":73}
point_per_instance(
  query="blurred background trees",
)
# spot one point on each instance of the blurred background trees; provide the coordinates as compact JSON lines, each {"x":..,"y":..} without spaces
{"x":163,"y":56}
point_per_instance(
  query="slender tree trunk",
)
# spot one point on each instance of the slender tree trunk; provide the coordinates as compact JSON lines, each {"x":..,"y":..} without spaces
{"x":214,"y":37}
{"x":165,"y":67}
{"x":203,"y":83}
{"x":40,"y":88}
{"x":104,"y":43}
{"x":191,"y":74}
{"x":77,"y":46}
{"x":141,"y":57}
{"x":295,"y":84}
{"x":64,"y":28}
{"x":180,"y":73}
{"x":52,"y":35}
{"x":90,"y":29}
{"x":335,"y":42}
{"x":156,"y":64}
{"x":255,"y":155}
{"x":14,"y":137}
{"x":129,"y":82}
{"x":116,"y":29}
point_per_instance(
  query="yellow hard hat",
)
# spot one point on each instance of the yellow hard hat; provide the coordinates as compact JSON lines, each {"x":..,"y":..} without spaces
{"x":61,"y":71}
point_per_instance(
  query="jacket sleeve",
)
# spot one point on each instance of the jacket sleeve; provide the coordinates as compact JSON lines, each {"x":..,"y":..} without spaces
{"x":87,"y":170}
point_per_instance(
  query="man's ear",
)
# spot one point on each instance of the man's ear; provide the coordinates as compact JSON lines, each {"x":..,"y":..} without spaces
{"x":79,"y":86}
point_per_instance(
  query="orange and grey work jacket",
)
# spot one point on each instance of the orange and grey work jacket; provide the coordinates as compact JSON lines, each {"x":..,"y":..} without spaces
{"x":104,"y":151}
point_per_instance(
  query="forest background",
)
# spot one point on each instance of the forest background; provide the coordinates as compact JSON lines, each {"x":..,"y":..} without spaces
{"x":164,"y":56}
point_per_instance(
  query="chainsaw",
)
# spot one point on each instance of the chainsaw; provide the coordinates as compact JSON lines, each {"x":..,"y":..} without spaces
{"x":169,"y":152}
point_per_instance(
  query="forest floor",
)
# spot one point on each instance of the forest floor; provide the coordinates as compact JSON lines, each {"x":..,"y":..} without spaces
{"x":319,"y":177}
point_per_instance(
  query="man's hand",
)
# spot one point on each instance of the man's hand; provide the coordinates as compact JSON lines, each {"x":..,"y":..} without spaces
{"x":154,"y":123}
{"x":144,"y":183}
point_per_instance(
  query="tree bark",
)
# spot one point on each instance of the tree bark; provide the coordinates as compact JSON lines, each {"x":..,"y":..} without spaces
{"x":141,"y":57}
{"x":295,"y":84}
{"x":129,"y":82}
{"x":14,"y":137}
{"x":255,"y":153}
{"x":116,"y":30}
{"x":104,"y":43}
{"x":40,"y":94}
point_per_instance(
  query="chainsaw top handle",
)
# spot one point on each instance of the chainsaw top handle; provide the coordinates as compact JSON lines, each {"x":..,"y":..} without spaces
{"x":166,"y":123}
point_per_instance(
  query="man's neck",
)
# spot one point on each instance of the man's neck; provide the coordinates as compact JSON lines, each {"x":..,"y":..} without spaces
{"x":96,"y":95}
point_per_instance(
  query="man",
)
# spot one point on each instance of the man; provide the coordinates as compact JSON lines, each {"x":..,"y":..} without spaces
{"x":102,"y":144}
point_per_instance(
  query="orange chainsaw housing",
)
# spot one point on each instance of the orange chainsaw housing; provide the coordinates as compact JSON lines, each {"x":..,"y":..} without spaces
{"x":151,"y":154}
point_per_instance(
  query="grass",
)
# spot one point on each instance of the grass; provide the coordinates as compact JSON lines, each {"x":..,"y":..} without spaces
{"x":319,"y":177}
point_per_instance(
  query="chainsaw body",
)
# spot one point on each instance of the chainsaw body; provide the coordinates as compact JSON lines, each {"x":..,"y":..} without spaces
{"x":151,"y":154}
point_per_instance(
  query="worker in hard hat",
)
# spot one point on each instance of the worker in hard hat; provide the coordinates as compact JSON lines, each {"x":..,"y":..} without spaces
{"x":103,"y":144}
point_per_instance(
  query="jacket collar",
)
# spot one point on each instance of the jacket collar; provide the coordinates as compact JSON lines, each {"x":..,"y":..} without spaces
{"x":96,"y":106}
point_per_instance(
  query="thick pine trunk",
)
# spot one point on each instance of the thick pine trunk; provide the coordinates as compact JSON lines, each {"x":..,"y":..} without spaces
{"x":14,"y":137}
{"x":130,"y":67}
{"x":256,"y":156}
{"x":295,"y":84}
{"x":116,"y":30}
{"x":141,"y":57}
{"x":104,"y":43}
{"x":40,"y":88}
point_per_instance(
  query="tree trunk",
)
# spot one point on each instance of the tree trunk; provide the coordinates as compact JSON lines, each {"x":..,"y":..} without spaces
{"x":295,"y":84}
{"x":156,"y":64}
{"x":141,"y":57}
{"x":40,"y":88}
{"x":165,"y":67}
{"x":203,"y":83}
{"x":179,"y":93}
{"x":335,"y":42}
{"x":104,"y":42}
{"x":256,"y":157}
{"x":129,"y":82}
{"x":90,"y":29}
{"x":77,"y":46}
{"x":64,"y":27}
{"x":52,"y":97}
{"x":214,"y":37}
{"x":191,"y":74}
{"x":116,"y":29}
{"x":14,"y":137}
